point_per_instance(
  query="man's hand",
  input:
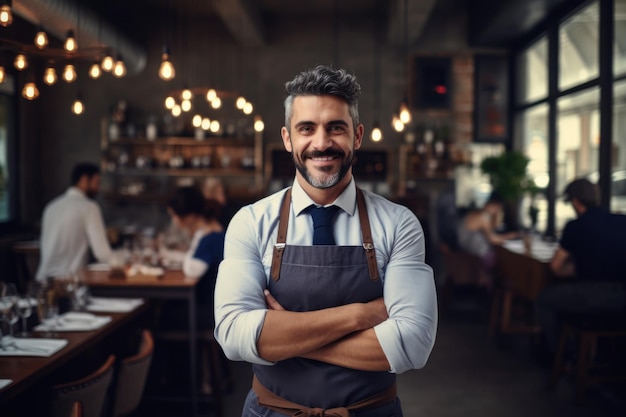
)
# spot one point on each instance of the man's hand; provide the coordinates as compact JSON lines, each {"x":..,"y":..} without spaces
{"x":271,"y":302}
{"x":287,"y":334}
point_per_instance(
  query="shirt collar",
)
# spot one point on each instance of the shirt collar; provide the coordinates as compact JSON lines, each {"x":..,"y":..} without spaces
{"x":346,"y":200}
{"x":75,"y":191}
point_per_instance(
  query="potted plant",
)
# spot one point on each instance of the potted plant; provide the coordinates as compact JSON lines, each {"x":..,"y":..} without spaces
{"x":509,"y":178}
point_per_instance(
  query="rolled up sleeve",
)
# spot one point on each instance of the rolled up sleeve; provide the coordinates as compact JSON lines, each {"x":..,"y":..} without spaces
{"x":408,"y":336}
{"x":239,"y":302}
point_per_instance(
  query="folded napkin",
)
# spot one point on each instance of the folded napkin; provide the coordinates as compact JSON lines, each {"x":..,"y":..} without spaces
{"x":113,"y":305}
{"x":5,"y":382}
{"x":138,"y":269}
{"x":73,"y":321}
{"x":99,"y":267}
{"x":33,"y":347}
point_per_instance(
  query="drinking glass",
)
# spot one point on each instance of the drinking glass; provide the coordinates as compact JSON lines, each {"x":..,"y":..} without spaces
{"x":8,"y":307}
{"x":24,"y":310}
{"x":47,"y":311}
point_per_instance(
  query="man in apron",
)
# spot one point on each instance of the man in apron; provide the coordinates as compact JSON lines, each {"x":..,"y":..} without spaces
{"x":323,"y":287}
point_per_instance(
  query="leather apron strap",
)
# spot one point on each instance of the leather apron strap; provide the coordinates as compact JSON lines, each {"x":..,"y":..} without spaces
{"x":274,"y":402}
{"x":366,"y":233}
{"x":281,"y":238}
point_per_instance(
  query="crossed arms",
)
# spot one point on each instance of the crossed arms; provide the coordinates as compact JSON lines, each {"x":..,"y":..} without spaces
{"x":341,"y":335}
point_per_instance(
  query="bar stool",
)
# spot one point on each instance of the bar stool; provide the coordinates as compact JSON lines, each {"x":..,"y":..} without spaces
{"x":589,"y":330}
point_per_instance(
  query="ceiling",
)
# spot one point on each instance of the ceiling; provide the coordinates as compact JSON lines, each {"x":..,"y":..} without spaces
{"x":247,"y":22}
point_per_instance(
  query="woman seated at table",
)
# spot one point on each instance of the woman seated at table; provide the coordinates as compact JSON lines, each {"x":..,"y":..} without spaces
{"x":190,"y":211}
{"x":477,"y":231}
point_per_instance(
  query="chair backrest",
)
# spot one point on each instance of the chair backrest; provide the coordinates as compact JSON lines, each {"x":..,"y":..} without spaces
{"x":77,"y":410}
{"x":90,"y":391}
{"x":131,"y":377}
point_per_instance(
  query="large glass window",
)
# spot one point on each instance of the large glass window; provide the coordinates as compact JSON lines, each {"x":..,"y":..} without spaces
{"x":532,"y":128}
{"x":619,"y":63}
{"x":618,"y":178}
{"x":577,"y":145}
{"x":578,"y":47}
{"x":532,"y":72}
{"x":6,"y":113}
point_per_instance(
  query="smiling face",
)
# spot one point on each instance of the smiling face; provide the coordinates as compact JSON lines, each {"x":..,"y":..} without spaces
{"x":322,"y":142}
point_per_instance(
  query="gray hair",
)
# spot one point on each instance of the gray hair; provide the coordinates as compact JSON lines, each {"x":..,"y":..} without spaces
{"x":322,"y":81}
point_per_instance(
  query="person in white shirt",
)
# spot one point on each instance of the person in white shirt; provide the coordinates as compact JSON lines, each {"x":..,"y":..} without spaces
{"x":324,"y":287}
{"x":72,"y":224}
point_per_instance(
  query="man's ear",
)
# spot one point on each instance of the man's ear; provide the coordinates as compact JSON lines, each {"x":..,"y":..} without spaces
{"x":286,"y":139}
{"x":358,"y":136}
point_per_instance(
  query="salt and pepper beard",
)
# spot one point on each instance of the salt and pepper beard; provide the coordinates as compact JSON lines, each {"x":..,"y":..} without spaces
{"x":332,"y":179}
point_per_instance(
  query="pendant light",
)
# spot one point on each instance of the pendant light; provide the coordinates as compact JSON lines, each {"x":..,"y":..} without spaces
{"x":69,"y":73}
{"x":404,"y":113}
{"x":70,"y":44}
{"x":119,"y":69}
{"x":20,"y":63}
{"x":377,"y":134}
{"x":211,"y":94}
{"x":95,"y":71}
{"x":41,"y":38}
{"x":78,"y":107}
{"x":2,"y":74}
{"x":107,"y":62}
{"x":259,"y":126}
{"x":50,"y":75}
{"x":166,"y":69}
{"x":6,"y":14}
{"x":30,"y":90}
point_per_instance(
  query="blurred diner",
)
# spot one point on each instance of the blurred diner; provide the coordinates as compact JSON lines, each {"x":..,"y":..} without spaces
{"x":592,"y":257}
{"x":72,"y":226}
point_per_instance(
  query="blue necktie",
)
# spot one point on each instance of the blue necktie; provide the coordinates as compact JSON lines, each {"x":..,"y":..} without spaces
{"x":323,"y":224}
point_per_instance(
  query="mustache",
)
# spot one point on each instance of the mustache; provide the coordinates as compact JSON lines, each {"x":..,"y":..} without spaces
{"x":319,"y":154}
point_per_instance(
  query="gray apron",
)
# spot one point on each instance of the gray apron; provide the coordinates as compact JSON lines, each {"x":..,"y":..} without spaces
{"x":312,"y":278}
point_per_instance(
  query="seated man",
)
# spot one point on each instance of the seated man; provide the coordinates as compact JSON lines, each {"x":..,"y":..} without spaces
{"x":72,"y":223}
{"x":592,"y":249}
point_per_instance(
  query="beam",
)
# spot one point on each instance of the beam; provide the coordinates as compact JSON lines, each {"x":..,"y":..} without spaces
{"x":243,"y":19}
{"x":418,"y":14}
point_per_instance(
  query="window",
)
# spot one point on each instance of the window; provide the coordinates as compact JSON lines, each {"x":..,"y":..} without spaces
{"x":619,"y":63}
{"x":532,"y":128}
{"x":618,"y":177}
{"x":532,"y":72}
{"x":6,"y":148}
{"x":578,"y":48}
{"x":577,"y":146}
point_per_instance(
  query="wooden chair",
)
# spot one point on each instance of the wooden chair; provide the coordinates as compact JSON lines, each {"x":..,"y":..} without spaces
{"x":589,"y":331}
{"x":91,"y":392}
{"x":77,"y":410}
{"x":132,"y":374}
{"x":212,"y":364}
{"x":462,"y":270}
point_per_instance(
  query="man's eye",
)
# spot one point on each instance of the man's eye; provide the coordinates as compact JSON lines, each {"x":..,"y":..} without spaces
{"x":337,"y":128}
{"x":305,"y":129}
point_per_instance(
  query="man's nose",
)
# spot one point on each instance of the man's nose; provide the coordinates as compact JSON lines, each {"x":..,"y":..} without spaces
{"x":321,"y":140}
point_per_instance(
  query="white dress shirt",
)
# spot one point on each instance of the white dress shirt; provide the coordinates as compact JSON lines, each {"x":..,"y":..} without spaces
{"x":406,"y":337}
{"x":71,"y":224}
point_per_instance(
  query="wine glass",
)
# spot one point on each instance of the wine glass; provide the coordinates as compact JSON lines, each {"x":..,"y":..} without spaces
{"x":8,"y":307}
{"x":47,"y":311}
{"x":24,"y":310}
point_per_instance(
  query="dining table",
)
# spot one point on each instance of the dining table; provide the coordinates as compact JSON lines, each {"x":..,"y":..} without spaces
{"x":522,"y":269}
{"x":22,"y":372}
{"x":167,"y":284}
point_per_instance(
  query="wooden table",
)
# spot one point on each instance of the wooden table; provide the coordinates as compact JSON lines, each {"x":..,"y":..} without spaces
{"x":26,"y":371}
{"x":522,"y":272}
{"x":173,"y":285}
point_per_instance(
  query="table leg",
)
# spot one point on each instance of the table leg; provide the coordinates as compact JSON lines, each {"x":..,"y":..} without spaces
{"x":193,"y":336}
